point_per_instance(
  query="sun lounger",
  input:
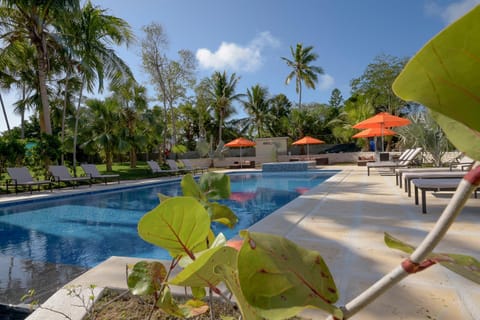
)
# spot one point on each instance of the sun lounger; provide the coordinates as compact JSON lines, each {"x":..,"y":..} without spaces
{"x":173,"y":165}
{"x":399,"y":172}
{"x":425,"y":185}
{"x":463,"y":163}
{"x":155,"y":168}
{"x":408,"y":177}
{"x":60,"y":174}
{"x":22,"y":177}
{"x":92,"y":171}
{"x":406,"y":162}
{"x":188,"y":165}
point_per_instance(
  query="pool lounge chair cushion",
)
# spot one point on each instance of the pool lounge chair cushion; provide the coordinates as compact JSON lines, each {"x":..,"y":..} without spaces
{"x":188,"y":165}
{"x":406,"y":162}
{"x":92,"y":171}
{"x":155,"y":168}
{"x":409,"y":176}
{"x":22,"y":177}
{"x":61,"y":174}
{"x":173,"y":165}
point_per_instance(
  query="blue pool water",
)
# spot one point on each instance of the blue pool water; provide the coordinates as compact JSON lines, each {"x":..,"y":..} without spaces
{"x":87,"y":229}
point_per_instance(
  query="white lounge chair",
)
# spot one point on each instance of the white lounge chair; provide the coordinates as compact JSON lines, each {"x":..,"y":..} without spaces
{"x":92,"y":171}
{"x":406,"y":162}
{"x":22,"y":177}
{"x":399,"y":172}
{"x":155,"y":168}
{"x":409,"y":176}
{"x":425,"y":185}
{"x":463,"y":162}
{"x":60,"y":174}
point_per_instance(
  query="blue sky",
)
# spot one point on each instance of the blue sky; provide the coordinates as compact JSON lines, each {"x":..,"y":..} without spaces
{"x":249,"y":37}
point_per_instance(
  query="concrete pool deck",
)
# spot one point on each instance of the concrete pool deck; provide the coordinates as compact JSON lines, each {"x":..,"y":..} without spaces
{"x":344,"y":219}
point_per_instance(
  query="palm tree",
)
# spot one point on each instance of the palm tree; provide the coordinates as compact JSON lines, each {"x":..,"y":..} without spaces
{"x":257,"y":106}
{"x":302,"y":70}
{"x":221,"y":94}
{"x":37,"y":22}
{"x":91,"y":34}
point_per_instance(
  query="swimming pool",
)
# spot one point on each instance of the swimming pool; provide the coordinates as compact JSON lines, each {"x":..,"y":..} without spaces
{"x":84,"y":230}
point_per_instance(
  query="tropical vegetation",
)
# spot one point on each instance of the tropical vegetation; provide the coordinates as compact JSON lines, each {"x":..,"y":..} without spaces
{"x":60,"y":73}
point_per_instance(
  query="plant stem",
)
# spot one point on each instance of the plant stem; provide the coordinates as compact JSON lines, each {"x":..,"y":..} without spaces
{"x":468,"y":184}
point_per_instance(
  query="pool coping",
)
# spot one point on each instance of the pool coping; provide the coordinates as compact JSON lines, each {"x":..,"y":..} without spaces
{"x":346,"y":218}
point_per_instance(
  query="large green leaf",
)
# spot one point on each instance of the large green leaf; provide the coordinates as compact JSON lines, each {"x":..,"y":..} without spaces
{"x":275,"y":273}
{"x":191,"y":189}
{"x":179,"y":225}
{"x":445,"y":75}
{"x":215,"y":185}
{"x":146,"y":277}
{"x":464,"y":265}
{"x":222,"y":214}
{"x":200,"y":273}
{"x":462,"y":137}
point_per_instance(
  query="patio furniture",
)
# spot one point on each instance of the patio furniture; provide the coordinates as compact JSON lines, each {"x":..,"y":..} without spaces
{"x":173,"y":165}
{"x":463,"y":162}
{"x":425,"y":185}
{"x":399,"y":172}
{"x":155,"y":168}
{"x":92,"y":171}
{"x":188,"y":165}
{"x":60,"y":174}
{"x":409,"y":176}
{"x":407,"y":161}
{"x":22,"y":177}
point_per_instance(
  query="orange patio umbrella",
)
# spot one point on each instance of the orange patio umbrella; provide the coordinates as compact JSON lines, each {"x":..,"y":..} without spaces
{"x":308,"y":141}
{"x":239,"y":143}
{"x":382,"y":120}
{"x":374,"y":132}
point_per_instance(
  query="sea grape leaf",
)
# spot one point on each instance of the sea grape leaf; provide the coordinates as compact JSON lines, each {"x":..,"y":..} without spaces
{"x":146,"y":277}
{"x":275,"y":273}
{"x":222,"y":214}
{"x":193,"y":308}
{"x":178,"y":225}
{"x":214,"y":242}
{"x":162,"y":197}
{"x":168,"y":304}
{"x":215,"y":185}
{"x":191,"y":188}
{"x":230,"y":276}
{"x":200,"y":273}
{"x":461,"y":136}
{"x":198,"y":293}
{"x":466,"y":266}
{"x":444,"y":75}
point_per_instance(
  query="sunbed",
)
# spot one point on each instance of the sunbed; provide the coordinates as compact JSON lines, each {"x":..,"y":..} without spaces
{"x":92,"y":171}
{"x":463,"y":163}
{"x":406,"y":162}
{"x":60,"y":174}
{"x":399,"y":172}
{"x":408,"y":177}
{"x":188,"y":165}
{"x":155,"y":168}
{"x":173,"y":165}
{"x":22,"y":177}
{"x":434,"y":185}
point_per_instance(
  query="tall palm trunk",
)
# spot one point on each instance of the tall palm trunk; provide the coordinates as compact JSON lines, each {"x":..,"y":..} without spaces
{"x":64,"y":111}
{"x":75,"y":130}
{"x":42,"y":83}
{"x":5,"y":113}
{"x":220,"y":126}
{"x":300,"y":95}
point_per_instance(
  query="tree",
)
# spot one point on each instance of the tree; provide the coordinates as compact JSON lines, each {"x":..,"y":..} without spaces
{"x":170,"y":77}
{"x":221,"y":94}
{"x":302,"y":70}
{"x":280,"y":110}
{"x":376,"y":84}
{"x":258,"y":107}
{"x":336,"y":98}
{"x":36,"y":21}
{"x":91,"y":34}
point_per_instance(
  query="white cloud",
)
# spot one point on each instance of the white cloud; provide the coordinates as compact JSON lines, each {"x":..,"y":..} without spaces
{"x":451,"y":12}
{"x":235,"y":57}
{"x":325,"y":82}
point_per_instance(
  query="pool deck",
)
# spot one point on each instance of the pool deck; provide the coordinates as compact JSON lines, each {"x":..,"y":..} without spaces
{"x":344,"y":219}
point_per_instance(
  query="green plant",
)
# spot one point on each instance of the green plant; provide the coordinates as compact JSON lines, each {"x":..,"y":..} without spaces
{"x":270,"y":276}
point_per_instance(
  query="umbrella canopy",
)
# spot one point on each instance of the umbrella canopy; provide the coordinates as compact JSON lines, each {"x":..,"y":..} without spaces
{"x":239,"y":143}
{"x":308,"y":141}
{"x":374,"y":132}
{"x":382,"y":120}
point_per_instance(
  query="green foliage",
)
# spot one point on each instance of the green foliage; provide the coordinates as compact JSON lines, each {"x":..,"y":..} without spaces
{"x":443,"y":76}
{"x":271,"y":277}
{"x":466,"y":266}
